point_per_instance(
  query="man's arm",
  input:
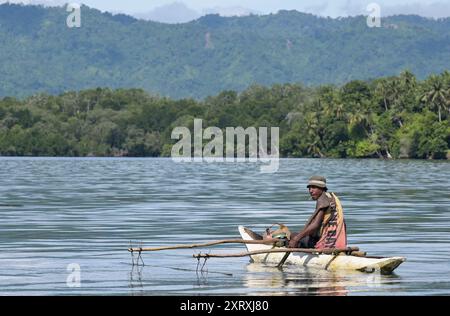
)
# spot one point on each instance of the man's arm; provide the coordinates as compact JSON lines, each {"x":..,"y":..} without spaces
{"x":308,"y":230}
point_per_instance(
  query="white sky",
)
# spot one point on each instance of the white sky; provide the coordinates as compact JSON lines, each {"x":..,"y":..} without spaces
{"x":331,"y":8}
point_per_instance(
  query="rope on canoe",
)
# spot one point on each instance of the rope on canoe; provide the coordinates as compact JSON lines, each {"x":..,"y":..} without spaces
{"x":335,"y":255}
{"x":205,"y":258}
{"x":139,"y":257}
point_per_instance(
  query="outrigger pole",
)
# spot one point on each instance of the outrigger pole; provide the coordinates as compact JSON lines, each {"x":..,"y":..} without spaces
{"x":354,"y":251}
{"x":273,"y":241}
{"x":332,"y":251}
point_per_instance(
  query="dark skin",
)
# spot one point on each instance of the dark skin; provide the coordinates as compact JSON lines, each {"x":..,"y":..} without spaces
{"x":315,"y":193}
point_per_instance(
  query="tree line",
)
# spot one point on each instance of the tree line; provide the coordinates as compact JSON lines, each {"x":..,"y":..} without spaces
{"x":390,"y":117}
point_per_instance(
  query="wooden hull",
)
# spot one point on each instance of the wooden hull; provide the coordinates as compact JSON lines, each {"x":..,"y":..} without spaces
{"x":325,"y":262}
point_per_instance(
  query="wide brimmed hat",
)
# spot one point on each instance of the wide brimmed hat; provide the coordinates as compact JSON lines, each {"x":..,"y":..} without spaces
{"x":317,"y":181}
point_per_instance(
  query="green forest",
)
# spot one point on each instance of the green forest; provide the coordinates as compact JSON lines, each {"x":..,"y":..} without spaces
{"x":40,"y":54}
{"x":398,"y":117}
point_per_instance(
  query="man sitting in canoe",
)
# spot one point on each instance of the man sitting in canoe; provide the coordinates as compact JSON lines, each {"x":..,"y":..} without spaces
{"x":326,"y":227}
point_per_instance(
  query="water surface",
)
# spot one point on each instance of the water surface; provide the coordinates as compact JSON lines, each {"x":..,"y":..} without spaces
{"x":60,"y":213}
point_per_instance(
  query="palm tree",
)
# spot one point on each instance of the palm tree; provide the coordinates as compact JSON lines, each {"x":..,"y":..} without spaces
{"x":339,"y":110}
{"x":390,"y":89}
{"x":311,"y":123}
{"x":382,"y":89}
{"x":395,"y":90}
{"x":334,"y":106}
{"x":364,"y":118}
{"x":446,"y":77}
{"x":313,"y":148}
{"x":408,"y":80}
{"x":312,"y":135}
{"x":437,"y":95}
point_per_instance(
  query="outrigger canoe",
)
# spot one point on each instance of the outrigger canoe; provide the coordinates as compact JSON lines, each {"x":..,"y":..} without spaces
{"x":322,"y":261}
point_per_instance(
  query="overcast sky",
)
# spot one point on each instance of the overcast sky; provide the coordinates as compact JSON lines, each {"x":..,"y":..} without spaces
{"x":333,"y":8}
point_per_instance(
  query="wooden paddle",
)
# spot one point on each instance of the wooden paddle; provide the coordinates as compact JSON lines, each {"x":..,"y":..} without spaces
{"x":280,"y":264}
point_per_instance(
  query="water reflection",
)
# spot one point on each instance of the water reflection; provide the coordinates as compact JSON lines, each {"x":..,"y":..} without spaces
{"x":86,"y":211}
{"x":269,"y":280}
{"x":135,"y":276}
{"x":262,"y":279}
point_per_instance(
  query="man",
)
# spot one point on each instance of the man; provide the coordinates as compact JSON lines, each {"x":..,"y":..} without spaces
{"x":326,"y":227}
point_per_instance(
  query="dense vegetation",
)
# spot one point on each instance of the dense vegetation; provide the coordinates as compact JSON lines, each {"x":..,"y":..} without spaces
{"x":39,"y":53}
{"x":392,"y":116}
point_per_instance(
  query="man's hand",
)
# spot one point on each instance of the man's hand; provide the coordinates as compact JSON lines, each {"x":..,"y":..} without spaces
{"x":293,"y":243}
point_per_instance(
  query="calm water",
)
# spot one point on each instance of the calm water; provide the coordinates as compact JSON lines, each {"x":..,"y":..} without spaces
{"x":55,"y":212}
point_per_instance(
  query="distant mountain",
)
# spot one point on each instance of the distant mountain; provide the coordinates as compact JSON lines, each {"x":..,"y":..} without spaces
{"x":230,"y":11}
{"x":39,"y":53}
{"x":435,"y":10}
{"x":176,"y":12}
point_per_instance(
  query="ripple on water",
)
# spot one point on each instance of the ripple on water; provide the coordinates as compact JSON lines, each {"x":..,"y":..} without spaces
{"x":59,"y":211}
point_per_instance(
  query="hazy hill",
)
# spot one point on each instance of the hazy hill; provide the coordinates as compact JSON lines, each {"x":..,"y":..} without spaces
{"x":176,"y":12}
{"x":40,"y":53}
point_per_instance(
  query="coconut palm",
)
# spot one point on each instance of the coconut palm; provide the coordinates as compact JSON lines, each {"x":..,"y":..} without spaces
{"x":382,"y":89}
{"x":334,"y":109}
{"x":436,"y":95}
{"x":408,"y":80}
{"x":364,"y":119}
{"x":313,"y":148}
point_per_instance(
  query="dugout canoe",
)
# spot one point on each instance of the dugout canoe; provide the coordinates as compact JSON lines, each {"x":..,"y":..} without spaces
{"x":384,"y":265}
